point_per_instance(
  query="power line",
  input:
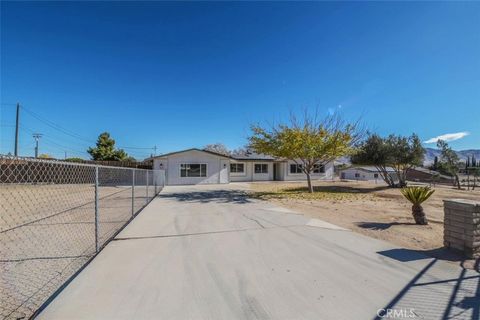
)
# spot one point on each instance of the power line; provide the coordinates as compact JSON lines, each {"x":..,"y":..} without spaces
{"x":37,"y":137}
{"x":73,"y":134}
{"x":63,"y":148}
{"x":51,"y":142}
{"x":55,"y":126}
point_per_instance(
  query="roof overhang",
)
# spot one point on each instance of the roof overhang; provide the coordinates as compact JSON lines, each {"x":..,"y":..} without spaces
{"x":165,"y":155}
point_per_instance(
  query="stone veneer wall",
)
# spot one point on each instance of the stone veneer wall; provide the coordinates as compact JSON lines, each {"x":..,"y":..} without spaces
{"x":462,"y":226}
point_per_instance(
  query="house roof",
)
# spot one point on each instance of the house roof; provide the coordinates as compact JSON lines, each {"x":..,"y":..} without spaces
{"x":369,"y":168}
{"x":253,"y":156}
{"x":430,"y":172}
{"x":187,"y":150}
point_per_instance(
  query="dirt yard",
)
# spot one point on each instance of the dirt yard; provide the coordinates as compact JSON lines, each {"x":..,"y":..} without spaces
{"x":368,"y":208}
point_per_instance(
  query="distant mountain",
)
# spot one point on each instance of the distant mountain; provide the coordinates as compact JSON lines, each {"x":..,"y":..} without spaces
{"x":430,"y":154}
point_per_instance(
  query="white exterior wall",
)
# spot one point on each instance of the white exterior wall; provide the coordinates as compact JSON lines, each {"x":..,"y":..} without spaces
{"x":365,"y":175}
{"x":283,"y":172}
{"x":262,"y":176}
{"x":218,"y":168}
{"x":245,"y":176}
{"x":249,"y":174}
{"x":287,"y":176}
{"x":349,"y":174}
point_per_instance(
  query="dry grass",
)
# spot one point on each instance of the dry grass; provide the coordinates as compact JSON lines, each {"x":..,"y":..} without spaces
{"x":371,"y":209}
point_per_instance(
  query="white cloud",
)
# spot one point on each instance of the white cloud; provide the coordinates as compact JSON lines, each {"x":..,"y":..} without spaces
{"x":331,"y":111}
{"x":448,"y":137}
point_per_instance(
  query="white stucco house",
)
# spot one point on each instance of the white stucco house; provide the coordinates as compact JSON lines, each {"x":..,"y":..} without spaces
{"x":365,"y":173}
{"x":197,"y":166}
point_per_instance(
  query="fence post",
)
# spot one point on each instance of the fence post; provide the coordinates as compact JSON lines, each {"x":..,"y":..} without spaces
{"x":147,"y":186}
{"x":133,"y":192}
{"x":96,"y":211}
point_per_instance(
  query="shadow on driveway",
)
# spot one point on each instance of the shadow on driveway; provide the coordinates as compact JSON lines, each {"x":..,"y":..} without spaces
{"x":456,"y":296}
{"x":218,"y":196}
{"x":382,"y":225}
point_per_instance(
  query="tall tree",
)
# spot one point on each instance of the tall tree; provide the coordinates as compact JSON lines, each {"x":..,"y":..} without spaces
{"x":218,"y":148}
{"x":449,"y":161}
{"x":310,"y":143}
{"x":105,"y":149}
{"x":435,"y":164}
{"x":398,"y":152}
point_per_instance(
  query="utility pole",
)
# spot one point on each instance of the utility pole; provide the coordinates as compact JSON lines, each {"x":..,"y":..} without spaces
{"x":154,"y":150}
{"x":37,"y":137}
{"x":65,"y":155}
{"x":16,"y":130}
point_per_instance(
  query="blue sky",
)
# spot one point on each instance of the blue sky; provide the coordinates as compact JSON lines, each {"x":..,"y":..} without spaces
{"x":181,"y":75}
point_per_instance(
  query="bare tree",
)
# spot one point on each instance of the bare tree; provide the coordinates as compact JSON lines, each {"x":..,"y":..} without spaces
{"x":218,"y":148}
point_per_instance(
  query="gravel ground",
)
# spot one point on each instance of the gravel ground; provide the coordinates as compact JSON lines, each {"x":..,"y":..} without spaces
{"x":368,"y":208}
{"x":47,"y":232}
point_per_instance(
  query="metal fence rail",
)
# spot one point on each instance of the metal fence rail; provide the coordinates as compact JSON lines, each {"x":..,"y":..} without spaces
{"x":55,"y":216}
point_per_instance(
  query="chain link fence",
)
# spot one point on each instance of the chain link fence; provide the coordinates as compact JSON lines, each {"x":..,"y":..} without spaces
{"x":55,"y":216}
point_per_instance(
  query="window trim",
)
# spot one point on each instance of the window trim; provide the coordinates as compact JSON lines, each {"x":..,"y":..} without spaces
{"x":190,"y":163}
{"x":243,"y":173}
{"x":260,"y":173}
{"x":290,"y":169}
{"x":300,"y":173}
{"x":320,"y":166}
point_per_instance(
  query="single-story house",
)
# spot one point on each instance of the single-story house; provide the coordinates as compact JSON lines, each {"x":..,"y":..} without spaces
{"x":197,"y":166}
{"x":365,"y":173}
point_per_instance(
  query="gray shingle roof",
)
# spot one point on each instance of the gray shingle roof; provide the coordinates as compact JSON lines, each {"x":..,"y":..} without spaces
{"x":186,"y":150}
{"x":252,"y":156}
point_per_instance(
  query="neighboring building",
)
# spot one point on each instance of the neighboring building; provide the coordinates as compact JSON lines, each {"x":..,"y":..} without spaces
{"x":196,"y":166}
{"x":365,"y":173}
{"x":420,"y":174}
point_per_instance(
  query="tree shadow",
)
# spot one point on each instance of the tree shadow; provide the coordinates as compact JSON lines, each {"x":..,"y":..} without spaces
{"x":339,"y":189}
{"x":382,"y":225}
{"x":348,"y":190}
{"x":436,"y":292}
{"x":217,"y":196}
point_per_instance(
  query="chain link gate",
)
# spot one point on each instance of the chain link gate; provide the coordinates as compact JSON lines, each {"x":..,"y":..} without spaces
{"x":55,"y":216}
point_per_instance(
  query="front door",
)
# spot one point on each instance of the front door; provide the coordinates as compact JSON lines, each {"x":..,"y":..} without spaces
{"x":275,"y":172}
{"x":224,"y":171}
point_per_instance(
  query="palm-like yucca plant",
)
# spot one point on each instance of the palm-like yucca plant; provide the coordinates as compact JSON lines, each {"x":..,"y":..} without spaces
{"x":417,"y":195}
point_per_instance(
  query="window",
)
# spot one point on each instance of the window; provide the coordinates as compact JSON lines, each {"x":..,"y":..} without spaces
{"x":318,"y":168}
{"x":193,"y":170}
{"x":375,"y":175}
{"x":295,"y":168}
{"x":357,"y":175}
{"x":261,"y":168}
{"x":237,"y":167}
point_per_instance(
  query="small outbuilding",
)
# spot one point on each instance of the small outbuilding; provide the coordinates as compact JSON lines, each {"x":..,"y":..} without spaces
{"x":365,"y":173}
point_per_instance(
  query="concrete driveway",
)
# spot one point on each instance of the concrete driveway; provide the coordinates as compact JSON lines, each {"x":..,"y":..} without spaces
{"x":208,"y":252}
